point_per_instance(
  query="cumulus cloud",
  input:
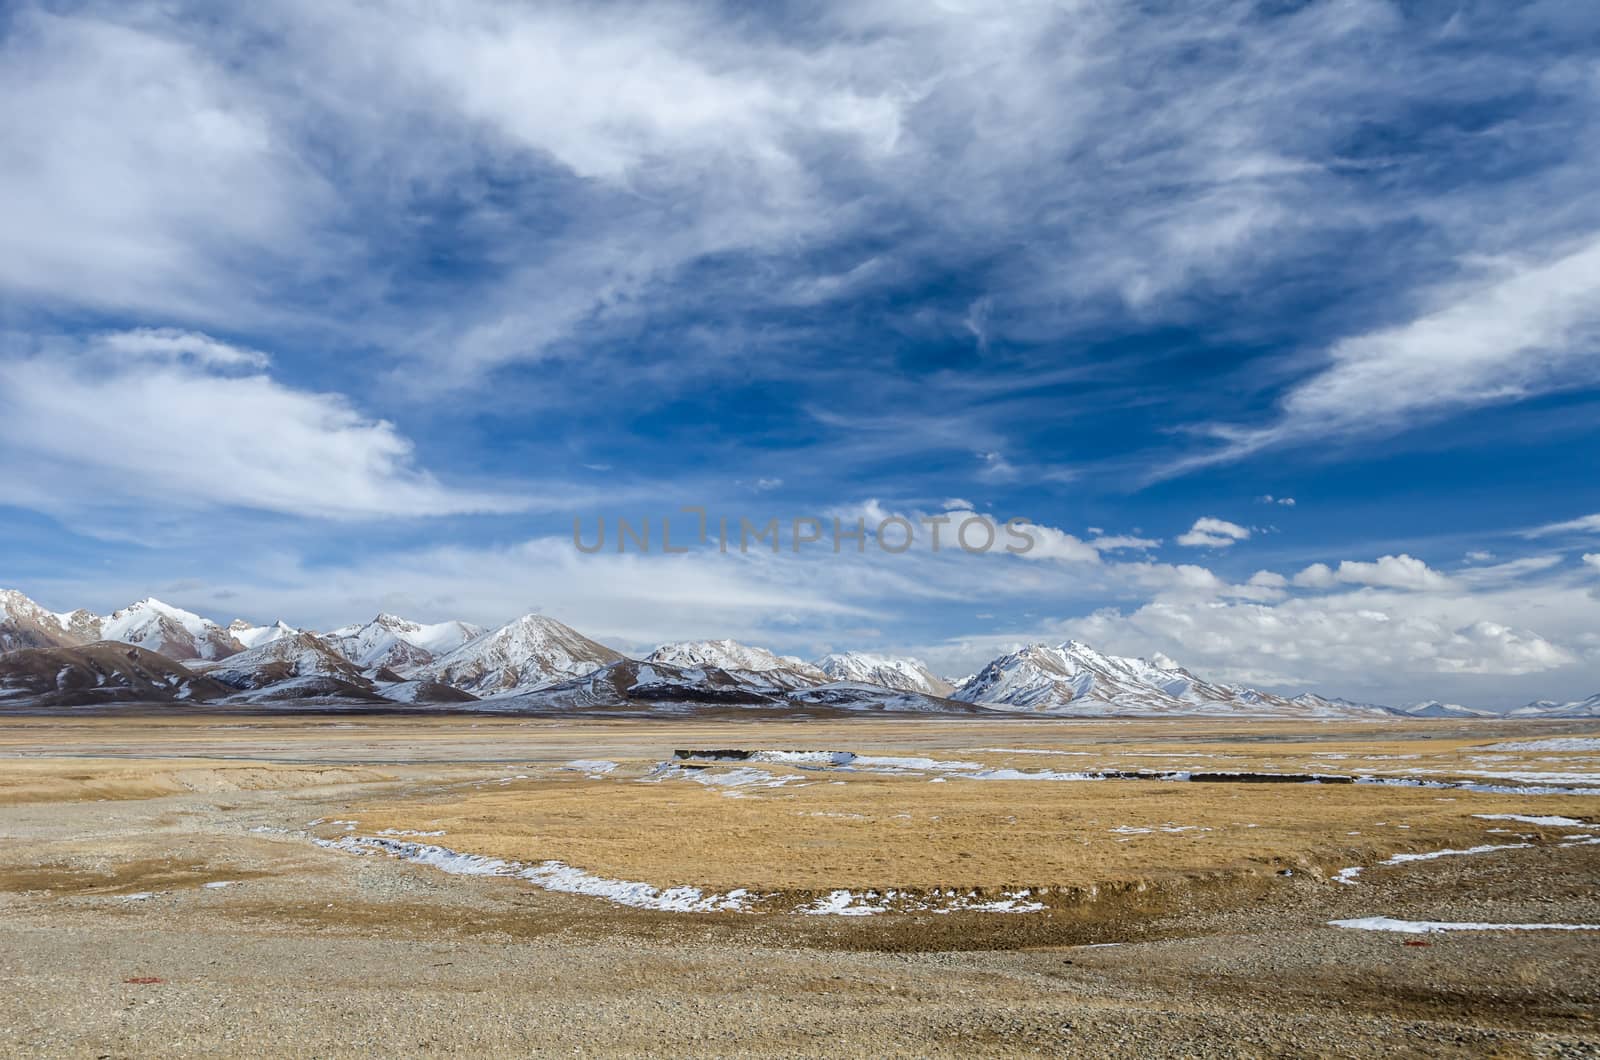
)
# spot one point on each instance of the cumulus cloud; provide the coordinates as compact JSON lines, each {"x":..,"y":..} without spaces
{"x":1267,"y":498}
{"x":1592,"y":559}
{"x":1213,"y":533}
{"x":1387,"y":572}
{"x":1342,"y":642}
{"x":181,"y":418}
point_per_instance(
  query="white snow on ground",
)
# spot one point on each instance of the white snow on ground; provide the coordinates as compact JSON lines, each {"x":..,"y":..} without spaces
{"x":217,"y":885}
{"x":1572,"y":743}
{"x":1537,"y":778}
{"x":1030,"y":751}
{"x":914,"y":764}
{"x":1547,"y":822}
{"x":551,"y":875}
{"x":1426,"y":927}
{"x":871,"y":903}
{"x":556,"y":876}
{"x":742,"y":777}
{"x":1400,"y":859}
{"x":1538,"y":788}
{"x":592,"y":766}
{"x":1348,"y":876}
{"x":411,"y":833}
{"x":561,"y":877}
{"x":821,"y":758}
{"x":1021,"y":774}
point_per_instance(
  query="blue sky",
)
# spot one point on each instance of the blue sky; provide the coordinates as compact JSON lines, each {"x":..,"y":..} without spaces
{"x":312,"y":310}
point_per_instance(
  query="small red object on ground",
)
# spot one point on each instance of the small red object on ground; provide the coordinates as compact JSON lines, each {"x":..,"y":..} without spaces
{"x":144,"y":980}
{"x":1417,"y":942}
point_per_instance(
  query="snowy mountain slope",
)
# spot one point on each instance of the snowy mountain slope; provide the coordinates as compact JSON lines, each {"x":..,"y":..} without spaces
{"x":1544,"y":708}
{"x":522,"y":655}
{"x":303,"y":655}
{"x":255,"y":636}
{"x":1075,"y":679}
{"x":104,"y":672}
{"x":1324,"y":707}
{"x":633,"y":686}
{"x":735,"y":657}
{"x":1435,"y":709}
{"x":399,"y":644}
{"x":25,"y":624}
{"x":887,"y":671}
{"x":172,"y":631}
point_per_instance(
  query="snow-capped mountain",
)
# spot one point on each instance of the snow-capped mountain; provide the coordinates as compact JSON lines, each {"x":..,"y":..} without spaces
{"x":255,"y":636}
{"x":1544,"y":708}
{"x":100,"y":673}
{"x":24,"y":624}
{"x":1434,"y":709}
{"x":526,"y":654}
{"x":399,"y":644}
{"x":300,"y":655}
{"x":150,"y":624}
{"x":888,"y":671}
{"x":634,"y":687}
{"x":171,"y":631}
{"x":1325,"y":707}
{"x":733,"y":656}
{"x":1078,"y":680}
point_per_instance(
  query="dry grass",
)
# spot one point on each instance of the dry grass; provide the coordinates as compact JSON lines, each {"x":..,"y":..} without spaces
{"x":907,"y":833}
{"x":823,"y":830}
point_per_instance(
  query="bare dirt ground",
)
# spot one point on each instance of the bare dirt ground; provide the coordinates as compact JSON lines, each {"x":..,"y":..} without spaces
{"x":1179,"y":918}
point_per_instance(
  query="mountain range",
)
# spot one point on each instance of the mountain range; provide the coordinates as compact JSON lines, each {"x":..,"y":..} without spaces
{"x":154,"y":652}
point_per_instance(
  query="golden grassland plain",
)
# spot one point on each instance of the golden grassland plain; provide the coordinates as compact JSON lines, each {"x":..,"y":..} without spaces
{"x":114,"y":826}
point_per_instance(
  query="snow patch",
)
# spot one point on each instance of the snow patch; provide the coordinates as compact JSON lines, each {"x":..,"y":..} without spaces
{"x":1428,"y":927}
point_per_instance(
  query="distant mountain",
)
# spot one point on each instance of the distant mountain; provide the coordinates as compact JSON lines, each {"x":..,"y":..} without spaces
{"x":1544,"y":708}
{"x":172,"y":631}
{"x":1434,"y":709}
{"x":1323,"y":706}
{"x":300,"y":656}
{"x":888,"y":671}
{"x":634,"y":686}
{"x":733,"y":656}
{"x":149,"y":624}
{"x":104,"y":672}
{"x":1075,"y":679}
{"x":24,"y":624}
{"x":528,"y":653}
{"x":255,"y":636}
{"x":398,"y":644}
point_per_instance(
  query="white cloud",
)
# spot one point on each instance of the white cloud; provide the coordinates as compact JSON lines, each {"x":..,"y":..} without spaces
{"x":1122,"y":542}
{"x":175,"y":344}
{"x":141,"y":172}
{"x":1592,"y":559}
{"x":1388,"y":572}
{"x":1213,"y":533}
{"x":1287,"y":502}
{"x":163,"y":417}
{"x":1530,"y":329}
{"x":1347,"y":643}
{"x":1588,"y":524}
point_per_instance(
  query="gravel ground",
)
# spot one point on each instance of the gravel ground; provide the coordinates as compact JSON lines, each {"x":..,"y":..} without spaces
{"x":309,"y":952}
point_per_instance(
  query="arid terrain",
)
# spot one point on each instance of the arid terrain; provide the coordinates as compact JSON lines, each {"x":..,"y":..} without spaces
{"x":185,"y":884}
